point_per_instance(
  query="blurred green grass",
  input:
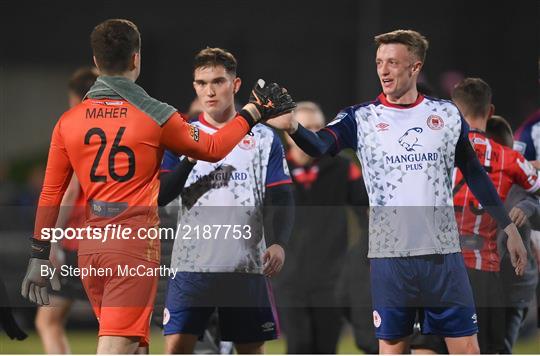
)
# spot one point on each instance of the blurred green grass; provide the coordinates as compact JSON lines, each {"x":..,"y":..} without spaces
{"x":84,"y":342}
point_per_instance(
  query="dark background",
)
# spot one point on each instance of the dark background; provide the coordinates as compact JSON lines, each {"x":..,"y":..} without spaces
{"x":321,"y":51}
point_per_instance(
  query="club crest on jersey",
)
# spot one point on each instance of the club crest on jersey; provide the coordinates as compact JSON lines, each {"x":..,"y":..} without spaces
{"x":409,"y":140}
{"x":383,"y":126}
{"x":435,"y":122}
{"x":376,"y":319}
{"x":194,"y":133}
{"x":247,"y":143}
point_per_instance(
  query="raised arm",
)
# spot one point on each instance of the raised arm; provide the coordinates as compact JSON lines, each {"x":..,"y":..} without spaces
{"x":185,"y":139}
{"x":265,"y":102}
{"x":337,"y":135}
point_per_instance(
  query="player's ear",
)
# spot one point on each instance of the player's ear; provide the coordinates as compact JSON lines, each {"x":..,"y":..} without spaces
{"x":491,"y":110}
{"x":135,"y":61}
{"x":417,"y":66}
{"x":237,"y":82}
{"x":96,"y":64}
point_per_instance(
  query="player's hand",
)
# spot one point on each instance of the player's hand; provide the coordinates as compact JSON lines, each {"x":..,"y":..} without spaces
{"x":57,"y":256}
{"x":273,"y":260}
{"x":518,"y":216}
{"x":271,"y":100}
{"x":535,"y":164}
{"x":34,"y":285}
{"x":516,"y":249}
{"x":285,"y":123}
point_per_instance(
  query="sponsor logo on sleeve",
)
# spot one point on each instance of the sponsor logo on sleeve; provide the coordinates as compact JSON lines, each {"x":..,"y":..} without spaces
{"x":268,"y":326}
{"x":194,"y":133}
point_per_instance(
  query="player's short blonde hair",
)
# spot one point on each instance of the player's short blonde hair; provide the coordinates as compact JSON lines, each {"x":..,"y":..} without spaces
{"x":416,"y":43}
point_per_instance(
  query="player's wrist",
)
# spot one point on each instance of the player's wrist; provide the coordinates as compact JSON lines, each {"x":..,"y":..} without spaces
{"x":251,"y":114}
{"x":293,"y":128}
{"x":40,"y":249}
{"x":511,"y":231}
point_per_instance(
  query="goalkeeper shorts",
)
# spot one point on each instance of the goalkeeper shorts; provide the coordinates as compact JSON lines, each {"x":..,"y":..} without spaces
{"x":122,"y":302}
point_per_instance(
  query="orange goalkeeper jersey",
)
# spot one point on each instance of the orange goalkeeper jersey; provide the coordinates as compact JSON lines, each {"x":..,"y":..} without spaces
{"x":116,"y":151}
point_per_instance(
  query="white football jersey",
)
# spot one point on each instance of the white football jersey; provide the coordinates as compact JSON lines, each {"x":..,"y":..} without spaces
{"x":407,"y":155}
{"x":220,"y":223}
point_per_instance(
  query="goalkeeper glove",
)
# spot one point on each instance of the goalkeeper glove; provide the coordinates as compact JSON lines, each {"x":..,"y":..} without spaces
{"x":34,"y":285}
{"x":271,"y":100}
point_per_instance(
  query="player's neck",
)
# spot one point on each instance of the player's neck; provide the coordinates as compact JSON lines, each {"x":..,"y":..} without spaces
{"x":477,"y":123}
{"x":408,"y":97}
{"x":220,"y":119}
{"x":131,"y":75}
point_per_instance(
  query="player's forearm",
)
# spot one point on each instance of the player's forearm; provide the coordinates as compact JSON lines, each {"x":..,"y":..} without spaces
{"x":48,"y":207}
{"x":57,"y":178}
{"x":480,"y":184}
{"x":184,"y":139}
{"x":279,"y":214}
{"x":314,"y":144}
{"x":68,"y":202}
{"x":172,"y":183}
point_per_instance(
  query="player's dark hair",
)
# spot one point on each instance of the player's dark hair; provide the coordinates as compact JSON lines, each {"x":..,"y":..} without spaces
{"x":416,"y":43}
{"x":113,"y":43}
{"x":473,"y":97}
{"x":212,"y":57}
{"x":499,"y":130}
{"x":82,"y":80}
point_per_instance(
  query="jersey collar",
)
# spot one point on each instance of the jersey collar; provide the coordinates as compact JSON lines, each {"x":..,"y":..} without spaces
{"x":203,"y":121}
{"x":385,"y":102}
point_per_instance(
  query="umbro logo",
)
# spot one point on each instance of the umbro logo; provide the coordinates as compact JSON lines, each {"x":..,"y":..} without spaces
{"x":383,"y":126}
{"x":268,"y":326}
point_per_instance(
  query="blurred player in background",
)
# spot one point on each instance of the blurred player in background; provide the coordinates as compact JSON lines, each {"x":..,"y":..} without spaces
{"x":408,"y":145}
{"x":478,"y":230}
{"x":306,"y":288}
{"x":50,"y":320}
{"x":114,"y":143}
{"x":517,"y":291}
{"x":528,"y":137}
{"x":241,"y":190}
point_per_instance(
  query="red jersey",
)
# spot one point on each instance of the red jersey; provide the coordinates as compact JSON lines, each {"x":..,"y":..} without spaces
{"x":477,"y":228}
{"x":115,"y":149}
